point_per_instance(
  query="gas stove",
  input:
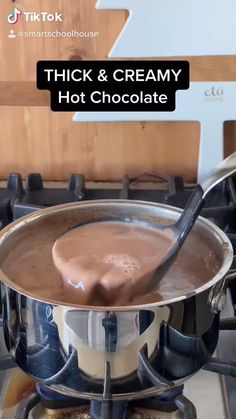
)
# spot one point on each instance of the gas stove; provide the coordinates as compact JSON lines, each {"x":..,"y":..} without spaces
{"x":32,"y":401}
{"x":46,"y":404}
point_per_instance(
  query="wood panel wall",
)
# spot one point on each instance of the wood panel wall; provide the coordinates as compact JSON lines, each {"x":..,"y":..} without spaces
{"x":34,"y":139}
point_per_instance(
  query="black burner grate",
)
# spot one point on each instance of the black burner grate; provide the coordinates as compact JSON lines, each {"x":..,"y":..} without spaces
{"x":171,"y":401}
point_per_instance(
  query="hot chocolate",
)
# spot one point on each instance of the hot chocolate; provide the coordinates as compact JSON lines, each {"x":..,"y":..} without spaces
{"x":31,"y":267}
{"x":109,"y":262}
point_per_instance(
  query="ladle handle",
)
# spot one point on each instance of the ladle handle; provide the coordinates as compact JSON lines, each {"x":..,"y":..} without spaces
{"x":189,"y":214}
{"x":181,"y":229}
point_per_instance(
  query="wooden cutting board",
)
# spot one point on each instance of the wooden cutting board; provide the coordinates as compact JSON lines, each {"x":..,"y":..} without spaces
{"x":33,"y":139}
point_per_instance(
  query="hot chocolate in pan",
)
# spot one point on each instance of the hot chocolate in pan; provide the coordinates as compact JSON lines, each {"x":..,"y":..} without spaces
{"x":107,"y":263}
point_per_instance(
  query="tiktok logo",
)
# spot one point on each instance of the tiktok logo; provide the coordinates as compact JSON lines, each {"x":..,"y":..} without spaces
{"x":13,"y":17}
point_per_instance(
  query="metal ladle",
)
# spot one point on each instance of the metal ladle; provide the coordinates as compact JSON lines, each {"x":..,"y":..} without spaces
{"x":183,"y":226}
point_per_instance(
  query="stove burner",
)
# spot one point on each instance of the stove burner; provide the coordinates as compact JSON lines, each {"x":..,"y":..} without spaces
{"x":166,"y":403}
{"x":105,"y":410}
{"x":25,"y":407}
{"x":52,"y":400}
{"x":171,"y":401}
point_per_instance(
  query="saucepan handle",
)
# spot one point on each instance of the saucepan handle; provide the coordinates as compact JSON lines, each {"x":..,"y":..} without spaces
{"x":217,"y":296}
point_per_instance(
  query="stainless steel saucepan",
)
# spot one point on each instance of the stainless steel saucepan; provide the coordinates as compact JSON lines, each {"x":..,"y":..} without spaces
{"x":137,"y":350}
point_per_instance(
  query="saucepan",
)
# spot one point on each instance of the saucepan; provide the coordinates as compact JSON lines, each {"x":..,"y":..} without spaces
{"x":133,"y":351}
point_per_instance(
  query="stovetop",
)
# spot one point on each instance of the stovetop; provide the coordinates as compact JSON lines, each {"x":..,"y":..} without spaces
{"x":19,"y":198}
{"x":49,"y":408}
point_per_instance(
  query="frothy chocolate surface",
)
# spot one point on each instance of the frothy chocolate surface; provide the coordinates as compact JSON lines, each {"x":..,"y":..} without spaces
{"x":107,"y":263}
